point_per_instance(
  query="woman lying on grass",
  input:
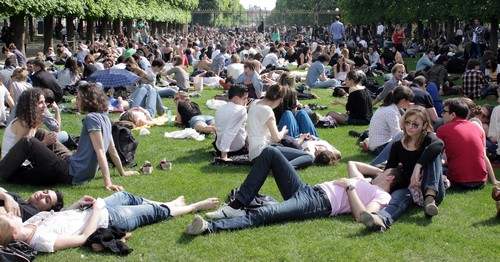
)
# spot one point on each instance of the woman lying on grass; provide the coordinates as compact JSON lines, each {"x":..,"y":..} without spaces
{"x":347,"y":195}
{"x":95,"y":141}
{"x":52,"y":231}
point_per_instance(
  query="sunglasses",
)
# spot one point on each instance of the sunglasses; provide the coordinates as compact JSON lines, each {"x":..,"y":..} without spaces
{"x":412,"y":124}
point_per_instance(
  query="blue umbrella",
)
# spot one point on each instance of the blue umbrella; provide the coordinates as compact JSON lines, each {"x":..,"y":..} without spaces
{"x":113,"y":77}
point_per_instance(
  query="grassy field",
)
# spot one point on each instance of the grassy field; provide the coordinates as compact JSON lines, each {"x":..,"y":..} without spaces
{"x":465,"y":229}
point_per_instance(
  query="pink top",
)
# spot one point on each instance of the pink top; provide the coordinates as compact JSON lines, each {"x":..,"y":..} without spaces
{"x":367,"y":193}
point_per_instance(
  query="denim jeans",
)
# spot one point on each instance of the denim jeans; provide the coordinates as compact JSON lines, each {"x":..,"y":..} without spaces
{"x":326,"y":84}
{"x":383,"y":155}
{"x":296,"y":157}
{"x":401,"y":198}
{"x":168,"y":92}
{"x":298,"y":123}
{"x":301,"y":201}
{"x":147,"y":97}
{"x":201,"y":119}
{"x":128,"y":212}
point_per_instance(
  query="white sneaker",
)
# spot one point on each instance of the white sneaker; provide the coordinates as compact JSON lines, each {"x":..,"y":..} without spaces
{"x":198,"y":226}
{"x":225,"y":211}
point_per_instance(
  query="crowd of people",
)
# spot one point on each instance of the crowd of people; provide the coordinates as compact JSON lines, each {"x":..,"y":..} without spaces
{"x":421,"y":144}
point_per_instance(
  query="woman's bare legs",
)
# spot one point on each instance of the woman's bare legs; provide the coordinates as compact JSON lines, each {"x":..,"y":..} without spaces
{"x":178,"y":207}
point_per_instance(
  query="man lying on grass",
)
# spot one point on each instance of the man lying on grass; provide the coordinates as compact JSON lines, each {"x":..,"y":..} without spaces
{"x":52,"y":231}
{"x":347,"y":195}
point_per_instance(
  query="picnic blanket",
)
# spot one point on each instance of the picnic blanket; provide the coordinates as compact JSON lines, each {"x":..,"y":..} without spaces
{"x":187,"y":133}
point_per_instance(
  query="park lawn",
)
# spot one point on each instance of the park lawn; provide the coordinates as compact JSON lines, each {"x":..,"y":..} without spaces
{"x":465,"y":229}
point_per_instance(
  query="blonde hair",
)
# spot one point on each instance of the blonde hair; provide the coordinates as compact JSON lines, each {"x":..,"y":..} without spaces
{"x":427,"y":127}
{"x":5,"y":232}
{"x":396,"y":67}
{"x":19,"y":75}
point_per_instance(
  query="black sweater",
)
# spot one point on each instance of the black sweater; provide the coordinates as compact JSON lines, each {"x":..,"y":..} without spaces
{"x":431,"y":147}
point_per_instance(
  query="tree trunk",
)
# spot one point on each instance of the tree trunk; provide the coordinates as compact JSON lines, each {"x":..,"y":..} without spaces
{"x":90,"y":30}
{"x":128,"y":25}
{"x":420,"y":30}
{"x":48,"y":32}
{"x":449,"y":29}
{"x":117,"y":27}
{"x":17,"y":22}
{"x":70,"y":27}
{"x":32,"y":28}
{"x":494,"y":34}
{"x":80,"y":28}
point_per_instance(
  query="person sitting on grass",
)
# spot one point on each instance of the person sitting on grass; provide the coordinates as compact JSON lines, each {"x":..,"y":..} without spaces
{"x":251,"y":79}
{"x":95,"y":141}
{"x":398,"y":71}
{"x":53,"y":231}
{"x":230,"y":120}
{"x":189,"y":115}
{"x":419,"y":154}
{"x":466,"y":157}
{"x":316,"y":75}
{"x":262,"y":130}
{"x":384,"y":125}
{"x":353,"y":195}
{"x":297,"y":120}
{"x":43,"y":200}
{"x":359,"y":102}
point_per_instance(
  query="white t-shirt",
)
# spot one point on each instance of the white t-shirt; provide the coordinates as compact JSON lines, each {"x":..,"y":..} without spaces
{"x":230,"y":121}
{"x":3,"y":95}
{"x":270,"y":59}
{"x":51,"y":225}
{"x":259,"y":135}
{"x":380,"y":29}
{"x":309,"y":146}
{"x":235,"y":70}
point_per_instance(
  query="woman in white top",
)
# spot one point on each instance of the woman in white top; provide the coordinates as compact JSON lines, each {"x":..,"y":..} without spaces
{"x":4,"y":97}
{"x":70,"y":74}
{"x":18,"y":83}
{"x":262,"y":130}
{"x":29,"y":116}
{"x":384,"y":125}
{"x":52,"y":231}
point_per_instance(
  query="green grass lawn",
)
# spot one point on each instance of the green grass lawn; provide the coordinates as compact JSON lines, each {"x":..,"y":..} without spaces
{"x":465,"y":229}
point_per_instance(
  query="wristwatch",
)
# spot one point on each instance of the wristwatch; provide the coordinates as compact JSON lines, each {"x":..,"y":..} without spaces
{"x":350,"y":186}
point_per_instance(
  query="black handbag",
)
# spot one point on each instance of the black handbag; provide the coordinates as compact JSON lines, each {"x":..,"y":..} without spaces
{"x":17,"y":251}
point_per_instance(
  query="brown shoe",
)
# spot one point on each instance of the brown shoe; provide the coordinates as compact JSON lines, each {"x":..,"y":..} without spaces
{"x":372,"y":221}
{"x":430,"y":207}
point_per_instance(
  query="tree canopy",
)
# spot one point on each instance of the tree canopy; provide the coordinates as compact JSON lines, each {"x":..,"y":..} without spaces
{"x":178,"y":11}
{"x":218,"y":13}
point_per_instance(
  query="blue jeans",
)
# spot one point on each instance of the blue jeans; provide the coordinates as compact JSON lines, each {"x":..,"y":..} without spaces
{"x":201,"y":119}
{"x":62,"y":137}
{"x":168,"y":92}
{"x":297,"y":124}
{"x":147,"y":97}
{"x":326,"y":84}
{"x":383,"y":155}
{"x":401,"y":198}
{"x":128,"y":212}
{"x":296,"y":157}
{"x":301,"y":201}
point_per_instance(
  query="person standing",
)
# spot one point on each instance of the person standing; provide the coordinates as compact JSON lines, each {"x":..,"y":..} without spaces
{"x":337,"y":31}
{"x":477,"y":39}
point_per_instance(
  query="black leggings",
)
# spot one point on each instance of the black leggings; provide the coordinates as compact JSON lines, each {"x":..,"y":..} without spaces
{"x":46,"y":167}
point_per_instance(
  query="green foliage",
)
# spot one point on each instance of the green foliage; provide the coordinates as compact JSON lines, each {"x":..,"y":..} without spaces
{"x":302,"y":12}
{"x":157,"y":10}
{"x":225,"y":13}
{"x":366,"y":11}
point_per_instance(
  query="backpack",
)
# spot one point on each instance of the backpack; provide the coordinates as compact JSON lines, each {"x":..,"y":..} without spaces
{"x":125,"y":144}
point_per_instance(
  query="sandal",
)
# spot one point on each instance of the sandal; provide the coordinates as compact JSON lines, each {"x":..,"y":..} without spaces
{"x":147,"y":168}
{"x":165,"y":165}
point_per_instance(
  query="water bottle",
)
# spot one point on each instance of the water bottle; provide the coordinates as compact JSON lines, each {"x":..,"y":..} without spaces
{"x":169,"y":117}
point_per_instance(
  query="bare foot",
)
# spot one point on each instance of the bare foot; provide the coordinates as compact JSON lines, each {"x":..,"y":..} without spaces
{"x":178,"y":202}
{"x":207,"y":204}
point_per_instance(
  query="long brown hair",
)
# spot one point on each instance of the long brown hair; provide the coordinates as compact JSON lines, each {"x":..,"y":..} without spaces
{"x":427,"y":127}
{"x":26,"y":109}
